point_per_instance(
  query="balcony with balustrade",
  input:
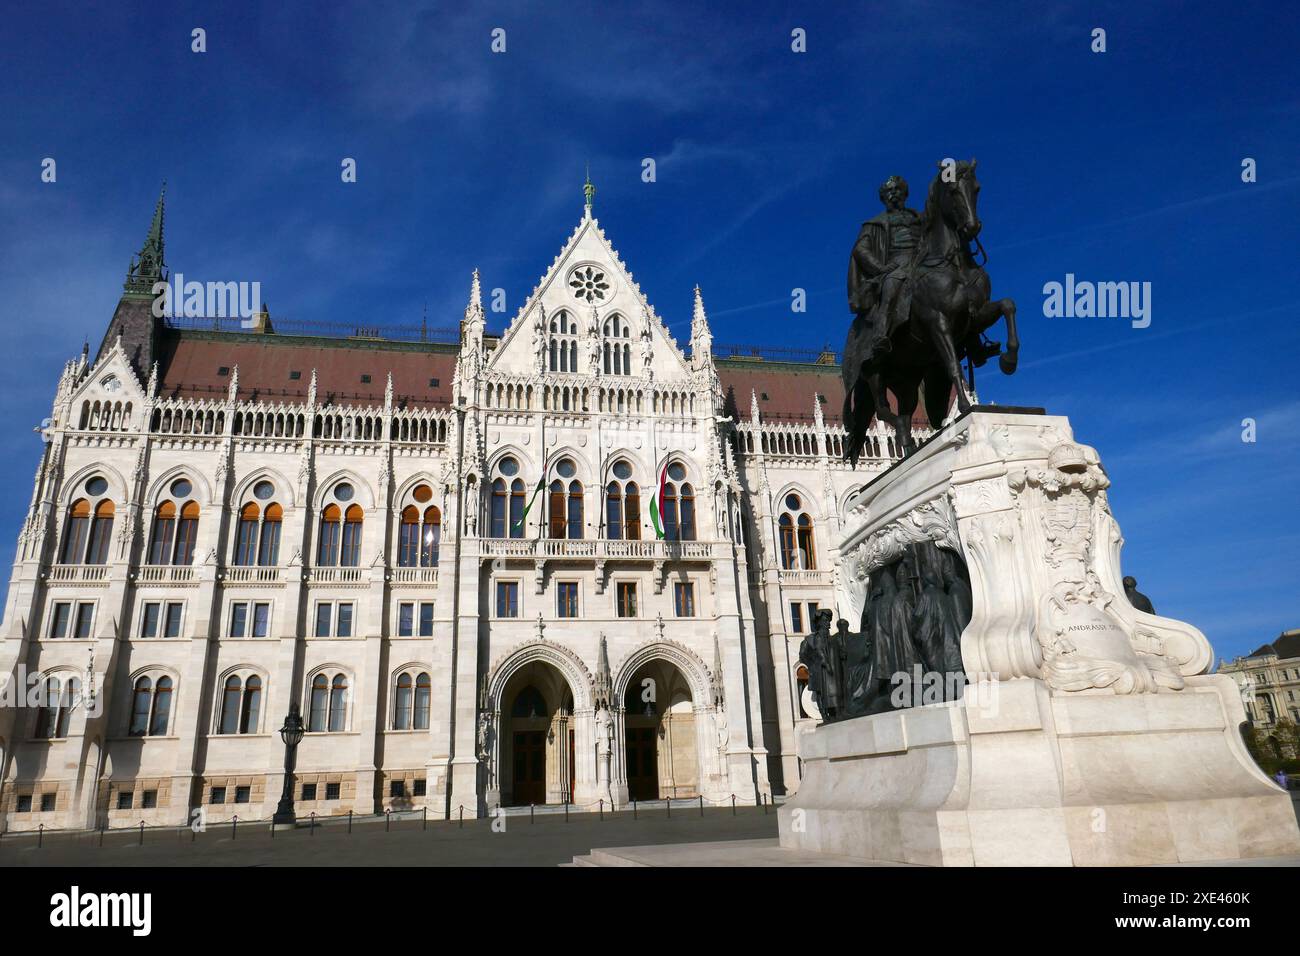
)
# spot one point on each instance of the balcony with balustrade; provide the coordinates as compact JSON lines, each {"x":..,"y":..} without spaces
{"x":602,"y":549}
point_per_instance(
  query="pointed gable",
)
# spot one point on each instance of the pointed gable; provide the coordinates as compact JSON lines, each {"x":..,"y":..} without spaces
{"x":590,"y":283}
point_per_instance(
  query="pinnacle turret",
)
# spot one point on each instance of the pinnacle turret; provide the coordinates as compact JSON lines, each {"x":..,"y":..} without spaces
{"x":149,"y":266}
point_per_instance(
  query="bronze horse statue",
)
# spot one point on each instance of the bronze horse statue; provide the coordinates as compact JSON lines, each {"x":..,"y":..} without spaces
{"x":949,"y":310}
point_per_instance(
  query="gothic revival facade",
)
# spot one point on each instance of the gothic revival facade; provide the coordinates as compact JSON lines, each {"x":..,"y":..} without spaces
{"x":568,"y":564}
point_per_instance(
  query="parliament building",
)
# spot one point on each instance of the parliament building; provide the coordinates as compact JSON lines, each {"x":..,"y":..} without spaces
{"x":570,"y":563}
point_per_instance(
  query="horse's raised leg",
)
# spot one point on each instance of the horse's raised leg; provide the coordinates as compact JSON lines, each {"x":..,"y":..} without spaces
{"x":940,"y":329}
{"x":988,"y":314}
{"x":902,"y":431}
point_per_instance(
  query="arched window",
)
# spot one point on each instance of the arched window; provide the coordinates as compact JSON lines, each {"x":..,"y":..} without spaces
{"x":186,"y":533}
{"x":241,"y":705}
{"x":563,"y":348}
{"x":408,"y":538}
{"x":565,"y":501}
{"x":411,"y":701}
{"x":164,"y":527}
{"x":338,"y":704}
{"x":101,"y":531}
{"x":74,"y":536}
{"x":617,"y":349}
{"x":796,"y":531}
{"x":327,"y":551}
{"x":351,"y":554}
{"x":419,"y":531}
{"x":246,"y":535}
{"x":151,"y":707}
{"x":507,"y":503}
{"x":430,"y":537}
{"x":268,"y":549}
{"x":622,"y":504}
{"x":679,"y":505}
{"x":57,"y":700}
{"x":319,"y":703}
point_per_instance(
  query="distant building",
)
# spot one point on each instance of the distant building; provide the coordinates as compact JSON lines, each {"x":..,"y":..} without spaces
{"x":439,"y":546}
{"x":1270,"y":685}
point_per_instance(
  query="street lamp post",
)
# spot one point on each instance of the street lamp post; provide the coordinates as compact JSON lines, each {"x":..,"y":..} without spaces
{"x":291,"y":734}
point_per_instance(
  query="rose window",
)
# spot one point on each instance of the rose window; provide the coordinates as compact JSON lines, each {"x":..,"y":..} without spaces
{"x":588,"y":284}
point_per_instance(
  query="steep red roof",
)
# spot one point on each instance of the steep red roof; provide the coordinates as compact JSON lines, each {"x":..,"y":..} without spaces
{"x":191,"y":362}
{"x":786,"y":390}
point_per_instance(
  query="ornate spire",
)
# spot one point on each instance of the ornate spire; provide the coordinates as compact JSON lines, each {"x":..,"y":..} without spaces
{"x":311,"y":389}
{"x":234,"y":385}
{"x":603,"y":684}
{"x":475,"y":296}
{"x":148,"y":266}
{"x":715,"y":679}
{"x":388,"y":394}
{"x":701,"y":336}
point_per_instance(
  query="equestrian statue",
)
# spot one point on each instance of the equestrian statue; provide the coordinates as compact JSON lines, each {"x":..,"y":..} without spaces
{"x":921,"y":305}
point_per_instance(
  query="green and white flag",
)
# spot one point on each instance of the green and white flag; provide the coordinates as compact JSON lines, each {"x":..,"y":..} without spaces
{"x":657,"y":504}
{"x":541,"y":484}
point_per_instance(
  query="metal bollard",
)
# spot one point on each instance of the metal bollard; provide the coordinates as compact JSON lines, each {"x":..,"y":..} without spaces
{"x":234,"y":826}
{"x":101,"y":834}
{"x":313,"y":816}
{"x":602,"y":808}
{"x":312,"y":829}
{"x":701,"y":804}
{"x":141,"y":843}
{"x":531,"y":816}
{"x":763,"y":801}
{"x":634,"y":808}
{"x":425,"y":824}
{"x":388,"y":819}
{"x":462,"y":817}
{"x":733,"y":804}
{"x":566,"y":811}
{"x":669,"y":804}
{"x":40,"y":836}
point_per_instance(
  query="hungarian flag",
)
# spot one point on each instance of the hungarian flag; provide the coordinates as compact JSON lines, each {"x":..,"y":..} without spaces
{"x":657,"y":504}
{"x":541,"y":484}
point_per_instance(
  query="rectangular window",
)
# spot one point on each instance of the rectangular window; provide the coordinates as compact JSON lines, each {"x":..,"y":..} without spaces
{"x":684,"y":598}
{"x":626,"y":592}
{"x":417,"y":787}
{"x":238,"y":619}
{"x":60,"y":618}
{"x":324,"y":614}
{"x":566,"y":599}
{"x":48,"y":802}
{"x":172,"y":625}
{"x":125,"y":800}
{"x":242,"y":794}
{"x":796,"y":617}
{"x":507,"y":599}
{"x":150,"y":798}
{"x":309,"y":791}
{"x":405,"y":619}
{"x":397,"y":788}
{"x":426,"y":619}
{"x":85,"y":615}
{"x":149,"y":619}
{"x":331,"y":791}
{"x":261,"y":619}
{"x":218,"y":795}
{"x":24,"y":803}
{"x":345,"y":620}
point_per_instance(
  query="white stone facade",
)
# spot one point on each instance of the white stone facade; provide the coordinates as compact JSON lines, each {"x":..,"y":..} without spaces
{"x":434,"y":693}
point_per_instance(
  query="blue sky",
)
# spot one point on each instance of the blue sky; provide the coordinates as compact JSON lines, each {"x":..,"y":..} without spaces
{"x":1122,"y":166}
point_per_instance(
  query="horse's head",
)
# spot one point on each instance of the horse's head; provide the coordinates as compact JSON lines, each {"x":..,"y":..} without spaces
{"x":955,"y":195}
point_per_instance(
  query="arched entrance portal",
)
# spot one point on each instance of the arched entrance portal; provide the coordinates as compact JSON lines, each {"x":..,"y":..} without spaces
{"x":538,"y":738}
{"x":659,"y":724}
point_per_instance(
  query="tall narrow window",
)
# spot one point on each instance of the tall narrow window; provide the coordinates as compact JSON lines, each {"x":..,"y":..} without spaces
{"x":626,"y":598}
{"x":507,"y":599}
{"x":186,"y":534}
{"x":430,"y":537}
{"x":230,"y":705}
{"x":574,"y":524}
{"x":498,"y":508}
{"x":60,"y":617}
{"x":684,"y":598}
{"x":327,"y":553}
{"x":268,"y":550}
{"x":613,"y":511}
{"x":101,"y":533}
{"x":338,"y":704}
{"x":557,"y":509}
{"x":566,"y":599}
{"x":164,"y":526}
{"x":246,"y":536}
{"x":423,"y":689}
{"x":402,"y":703}
{"x":85,"y":616}
{"x":319,"y":703}
{"x":351,"y":555}
{"x":795,"y":528}
{"x":74,"y":537}
{"x":517,"y":508}
{"x":162,"y":705}
{"x":252,"y":708}
{"x":142,"y":700}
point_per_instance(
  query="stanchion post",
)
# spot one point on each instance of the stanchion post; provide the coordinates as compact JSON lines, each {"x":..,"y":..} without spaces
{"x":701,"y":804}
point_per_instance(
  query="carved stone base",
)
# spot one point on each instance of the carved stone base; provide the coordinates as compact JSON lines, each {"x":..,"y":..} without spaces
{"x":1014,"y":776}
{"x":1094,"y":736}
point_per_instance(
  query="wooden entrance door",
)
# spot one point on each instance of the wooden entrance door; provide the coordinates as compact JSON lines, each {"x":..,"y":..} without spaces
{"x":530,"y":767}
{"x":642,"y":764}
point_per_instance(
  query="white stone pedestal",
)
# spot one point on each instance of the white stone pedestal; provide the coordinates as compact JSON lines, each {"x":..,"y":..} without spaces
{"x":1091,"y":736}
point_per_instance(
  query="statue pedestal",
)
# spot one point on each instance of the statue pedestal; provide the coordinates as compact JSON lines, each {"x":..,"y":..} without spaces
{"x":1091,"y":734}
